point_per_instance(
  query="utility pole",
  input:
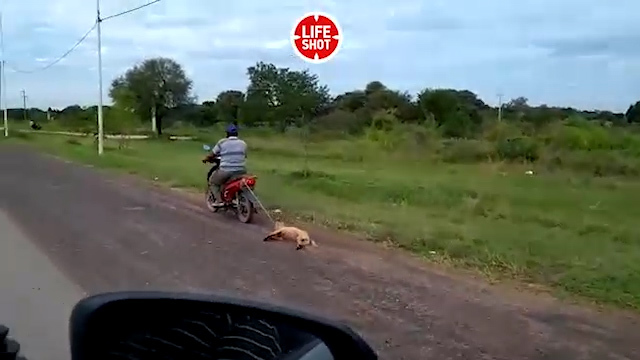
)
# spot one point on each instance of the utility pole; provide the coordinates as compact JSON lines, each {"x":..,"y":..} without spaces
{"x":3,"y":85}
{"x":24,"y":103}
{"x":154,"y":127}
{"x":100,"y":118}
{"x":499,"y":107}
{"x":2,"y":79}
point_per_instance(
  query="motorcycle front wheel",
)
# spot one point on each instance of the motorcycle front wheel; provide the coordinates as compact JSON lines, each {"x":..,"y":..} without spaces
{"x":210,"y":200}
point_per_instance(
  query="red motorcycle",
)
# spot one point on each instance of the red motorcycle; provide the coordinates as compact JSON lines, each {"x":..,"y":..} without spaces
{"x":237,"y":193}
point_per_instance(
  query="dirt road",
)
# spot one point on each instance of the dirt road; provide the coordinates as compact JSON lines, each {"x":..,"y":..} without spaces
{"x":107,"y":233}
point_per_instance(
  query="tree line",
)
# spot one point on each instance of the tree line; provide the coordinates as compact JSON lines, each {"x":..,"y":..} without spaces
{"x":280,"y":98}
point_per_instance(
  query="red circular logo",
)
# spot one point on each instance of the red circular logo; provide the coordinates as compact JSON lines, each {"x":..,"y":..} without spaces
{"x":316,"y":37}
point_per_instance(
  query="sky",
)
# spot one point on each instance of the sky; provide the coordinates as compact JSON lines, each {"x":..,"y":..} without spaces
{"x":580,"y":53}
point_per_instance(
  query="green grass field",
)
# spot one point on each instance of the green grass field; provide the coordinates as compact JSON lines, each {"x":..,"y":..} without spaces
{"x":576,"y":233}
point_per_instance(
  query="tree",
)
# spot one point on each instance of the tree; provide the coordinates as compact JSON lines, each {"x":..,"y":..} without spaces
{"x":153,"y":86}
{"x":303,"y":97}
{"x":633,"y":113}
{"x":518,"y":103}
{"x":208,"y":114}
{"x":374,"y":86}
{"x":518,"y":106}
{"x":400,"y":103}
{"x":609,"y":116}
{"x":351,"y":101}
{"x":539,"y":116}
{"x":72,"y":110}
{"x":76,"y":118}
{"x":123,"y":96}
{"x":456,"y":112}
{"x":198,"y":115}
{"x":228,"y":104}
{"x":283,"y":96}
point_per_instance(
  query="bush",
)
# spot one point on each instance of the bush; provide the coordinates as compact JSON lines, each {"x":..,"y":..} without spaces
{"x":119,"y":121}
{"x":384,"y":120}
{"x":596,"y":163}
{"x":458,"y":124}
{"x":387,"y":140}
{"x":79,"y":123}
{"x":495,"y":131}
{"x":338,"y":121}
{"x":420,"y":139}
{"x":386,"y":131}
{"x":518,"y":149}
{"x":579,"y":134}
{"x":466,"y":151}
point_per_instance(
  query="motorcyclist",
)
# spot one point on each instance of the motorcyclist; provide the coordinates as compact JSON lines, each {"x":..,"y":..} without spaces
{"x":34,"y":125}
{"x":232,"y":153}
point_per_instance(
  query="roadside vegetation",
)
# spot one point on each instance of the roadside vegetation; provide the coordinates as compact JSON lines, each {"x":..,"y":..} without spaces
{"x":542,"y":194}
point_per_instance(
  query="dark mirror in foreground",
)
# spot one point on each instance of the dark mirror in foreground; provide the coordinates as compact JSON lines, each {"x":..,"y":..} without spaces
{"x":159,"y":325}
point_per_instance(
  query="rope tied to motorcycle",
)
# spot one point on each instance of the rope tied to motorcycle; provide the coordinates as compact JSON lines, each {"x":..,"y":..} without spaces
{"x":246,"y":186}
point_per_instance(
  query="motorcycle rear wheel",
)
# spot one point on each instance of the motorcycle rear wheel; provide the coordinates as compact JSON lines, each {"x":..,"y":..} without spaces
{"x":244,"y":208}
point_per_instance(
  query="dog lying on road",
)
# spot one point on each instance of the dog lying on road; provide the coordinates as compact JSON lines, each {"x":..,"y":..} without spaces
{"x":290,"y":233}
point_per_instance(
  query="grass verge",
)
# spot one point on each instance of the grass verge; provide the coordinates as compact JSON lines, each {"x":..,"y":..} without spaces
{"x":576,"y":233}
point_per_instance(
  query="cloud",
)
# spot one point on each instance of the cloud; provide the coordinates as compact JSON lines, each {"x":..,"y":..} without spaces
{"x":575,"y":53}
{"x":623,"y":46}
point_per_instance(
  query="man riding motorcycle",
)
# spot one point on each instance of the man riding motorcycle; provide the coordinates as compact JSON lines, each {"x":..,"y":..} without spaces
{"x":232,"y":153}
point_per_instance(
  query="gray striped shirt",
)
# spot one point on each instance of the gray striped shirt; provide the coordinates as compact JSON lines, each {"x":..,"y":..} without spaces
{"x":232,"y":152}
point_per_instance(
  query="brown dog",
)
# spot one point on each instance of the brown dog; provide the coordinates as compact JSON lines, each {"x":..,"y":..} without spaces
{"x":290,"y":233}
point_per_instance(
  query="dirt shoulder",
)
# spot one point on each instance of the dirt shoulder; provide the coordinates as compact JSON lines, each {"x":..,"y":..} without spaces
{"x":110,"y":232}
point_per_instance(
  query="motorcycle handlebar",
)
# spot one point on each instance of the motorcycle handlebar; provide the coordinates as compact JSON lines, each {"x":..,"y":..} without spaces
{"x":211,"y":159}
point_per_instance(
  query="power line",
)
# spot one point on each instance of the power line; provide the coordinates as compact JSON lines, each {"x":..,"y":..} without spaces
{"x":83,"y":38}
{"x":130,"y":10}
{"x":97,"y":23}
